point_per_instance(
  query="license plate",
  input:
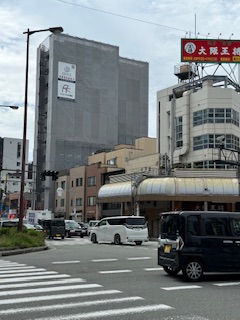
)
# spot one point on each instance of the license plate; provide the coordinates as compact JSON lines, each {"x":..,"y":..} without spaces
{"x":167,"y":248}
{"x":57,"y":235}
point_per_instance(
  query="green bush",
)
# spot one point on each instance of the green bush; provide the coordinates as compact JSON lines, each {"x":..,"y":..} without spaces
{"x":12,"y":239}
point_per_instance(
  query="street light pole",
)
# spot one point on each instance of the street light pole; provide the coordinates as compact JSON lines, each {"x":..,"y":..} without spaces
{"x":21,"y":208}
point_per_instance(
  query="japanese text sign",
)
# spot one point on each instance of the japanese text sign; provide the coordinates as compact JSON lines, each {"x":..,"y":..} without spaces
{"x":210,"y":50}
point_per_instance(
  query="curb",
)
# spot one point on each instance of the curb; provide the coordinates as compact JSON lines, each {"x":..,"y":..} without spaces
{"x":20,"y":251}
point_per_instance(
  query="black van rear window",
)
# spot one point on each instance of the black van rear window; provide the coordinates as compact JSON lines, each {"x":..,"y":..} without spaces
{"x":170,"y":224}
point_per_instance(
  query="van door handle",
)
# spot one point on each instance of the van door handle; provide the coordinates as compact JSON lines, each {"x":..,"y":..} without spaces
{"x":227,"y":241}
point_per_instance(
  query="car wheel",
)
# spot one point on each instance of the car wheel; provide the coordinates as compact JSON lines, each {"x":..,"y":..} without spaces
{"x":171,"y":271}
{"x":63,"y":237}
{"x":68,"y":235}
{"x":94,"y":238}
{"x":138,"y":243}
{"x":117,"y":239}
{"x":81,"y":235}
{"x":193,"y":270}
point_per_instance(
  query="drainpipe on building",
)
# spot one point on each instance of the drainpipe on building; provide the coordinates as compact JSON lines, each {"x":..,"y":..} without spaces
{"x":186,"y":131}
{"x":172,"y":131}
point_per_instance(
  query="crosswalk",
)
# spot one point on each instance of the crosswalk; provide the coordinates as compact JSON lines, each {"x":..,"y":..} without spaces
{"x":31,"y":293}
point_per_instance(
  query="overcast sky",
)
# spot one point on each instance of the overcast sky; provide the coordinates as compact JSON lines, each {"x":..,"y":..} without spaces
{"x":146,"y":30}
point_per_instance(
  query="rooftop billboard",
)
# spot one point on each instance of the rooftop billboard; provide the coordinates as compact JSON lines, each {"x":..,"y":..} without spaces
{"x":210,"y":50}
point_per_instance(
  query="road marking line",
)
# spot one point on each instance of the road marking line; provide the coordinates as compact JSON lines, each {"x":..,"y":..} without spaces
{"x":139,"y":258}
{"x":227,"y":284}
{"x":37,"y":284}
{"x":114,"y":271}
{"x":16,"y":267}
{"x":58,"y":296}
{"x":69,"y":305}
{"x":21,"y":270}
{"x":24,"y":274}
{"x":153,"y":269}
{"x":104,"y":260}
{"x":13,"y":265}
{"x":52,"y":289}
{"x":63,"y":262}
{"x":181,"y":287}
{"x":107,"y":313}
{"x":54,"y":276}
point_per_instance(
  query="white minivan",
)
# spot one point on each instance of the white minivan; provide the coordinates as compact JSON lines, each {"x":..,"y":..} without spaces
{"x":120,"y":229}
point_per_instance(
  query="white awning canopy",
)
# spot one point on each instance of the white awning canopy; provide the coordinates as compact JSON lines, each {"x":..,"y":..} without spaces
{"x":173,"y":186}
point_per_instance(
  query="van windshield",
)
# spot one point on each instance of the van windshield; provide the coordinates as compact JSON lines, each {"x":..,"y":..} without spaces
{"x":170,"y":225}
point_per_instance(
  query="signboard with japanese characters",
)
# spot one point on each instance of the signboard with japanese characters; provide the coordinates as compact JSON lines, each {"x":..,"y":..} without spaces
{"x":66,"y":80}
{"x":210,"y":50}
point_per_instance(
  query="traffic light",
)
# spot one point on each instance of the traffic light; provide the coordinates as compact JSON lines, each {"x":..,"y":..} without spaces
{"x":49,"y":173}
{"x":55,"y":175}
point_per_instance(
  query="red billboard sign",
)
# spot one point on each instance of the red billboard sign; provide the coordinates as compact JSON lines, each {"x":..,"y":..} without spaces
{"x":210,"y":50}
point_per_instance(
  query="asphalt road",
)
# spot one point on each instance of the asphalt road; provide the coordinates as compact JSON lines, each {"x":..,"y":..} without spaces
{"x":76,"y":279}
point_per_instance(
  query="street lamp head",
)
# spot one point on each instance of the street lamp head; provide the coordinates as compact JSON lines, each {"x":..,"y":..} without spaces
{"x":14,"y":107}
{"x":53,"y":30}
{"x":56,"y":30}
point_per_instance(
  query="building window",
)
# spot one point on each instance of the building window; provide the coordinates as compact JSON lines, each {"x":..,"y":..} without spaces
{"x":91,"y":181}
{"x":112,"y":161}
{"x":79,"y":202}
{"x":62,"y":203}
{"x":179,"y":132}
{"x":91,"y":201}
{"x":79,"y":182}
{"x":208,"y":141}
{"x":63,"y":185}
{"x":216,"y":115}
{"x":18,"y":164}
{"x":19,"y":150}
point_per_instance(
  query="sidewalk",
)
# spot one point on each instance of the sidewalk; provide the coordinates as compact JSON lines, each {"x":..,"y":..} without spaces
{"x":4,"y":252}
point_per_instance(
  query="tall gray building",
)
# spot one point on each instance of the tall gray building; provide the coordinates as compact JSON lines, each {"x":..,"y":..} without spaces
{"x":87,"y":98}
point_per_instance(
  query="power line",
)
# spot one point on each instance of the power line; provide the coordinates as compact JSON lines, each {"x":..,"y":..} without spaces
{"x":123,"y":16}
{"x":189,"y":32}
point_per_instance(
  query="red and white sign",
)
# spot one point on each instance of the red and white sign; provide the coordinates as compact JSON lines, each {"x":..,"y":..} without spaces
{"x":210,"y":50}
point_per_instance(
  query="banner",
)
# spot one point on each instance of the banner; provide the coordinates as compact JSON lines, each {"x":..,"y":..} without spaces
{"x":66,"y":80}
{"x":210,"y":50}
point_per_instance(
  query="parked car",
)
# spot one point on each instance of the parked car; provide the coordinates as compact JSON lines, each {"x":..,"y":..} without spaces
{"x":91,"y":224}
{"x":8,"y":223}
{"x":72,"y":228}
{"x":84,"y":226}
{"x":28,"y":226}
{"x":38,"y":227}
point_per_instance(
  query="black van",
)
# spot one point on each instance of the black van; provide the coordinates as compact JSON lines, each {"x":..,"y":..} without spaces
{"x":53,"y":227}
{"x":195,"y":242}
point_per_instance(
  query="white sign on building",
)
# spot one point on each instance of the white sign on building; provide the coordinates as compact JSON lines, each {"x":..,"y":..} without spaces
{"x":66,"y":80}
